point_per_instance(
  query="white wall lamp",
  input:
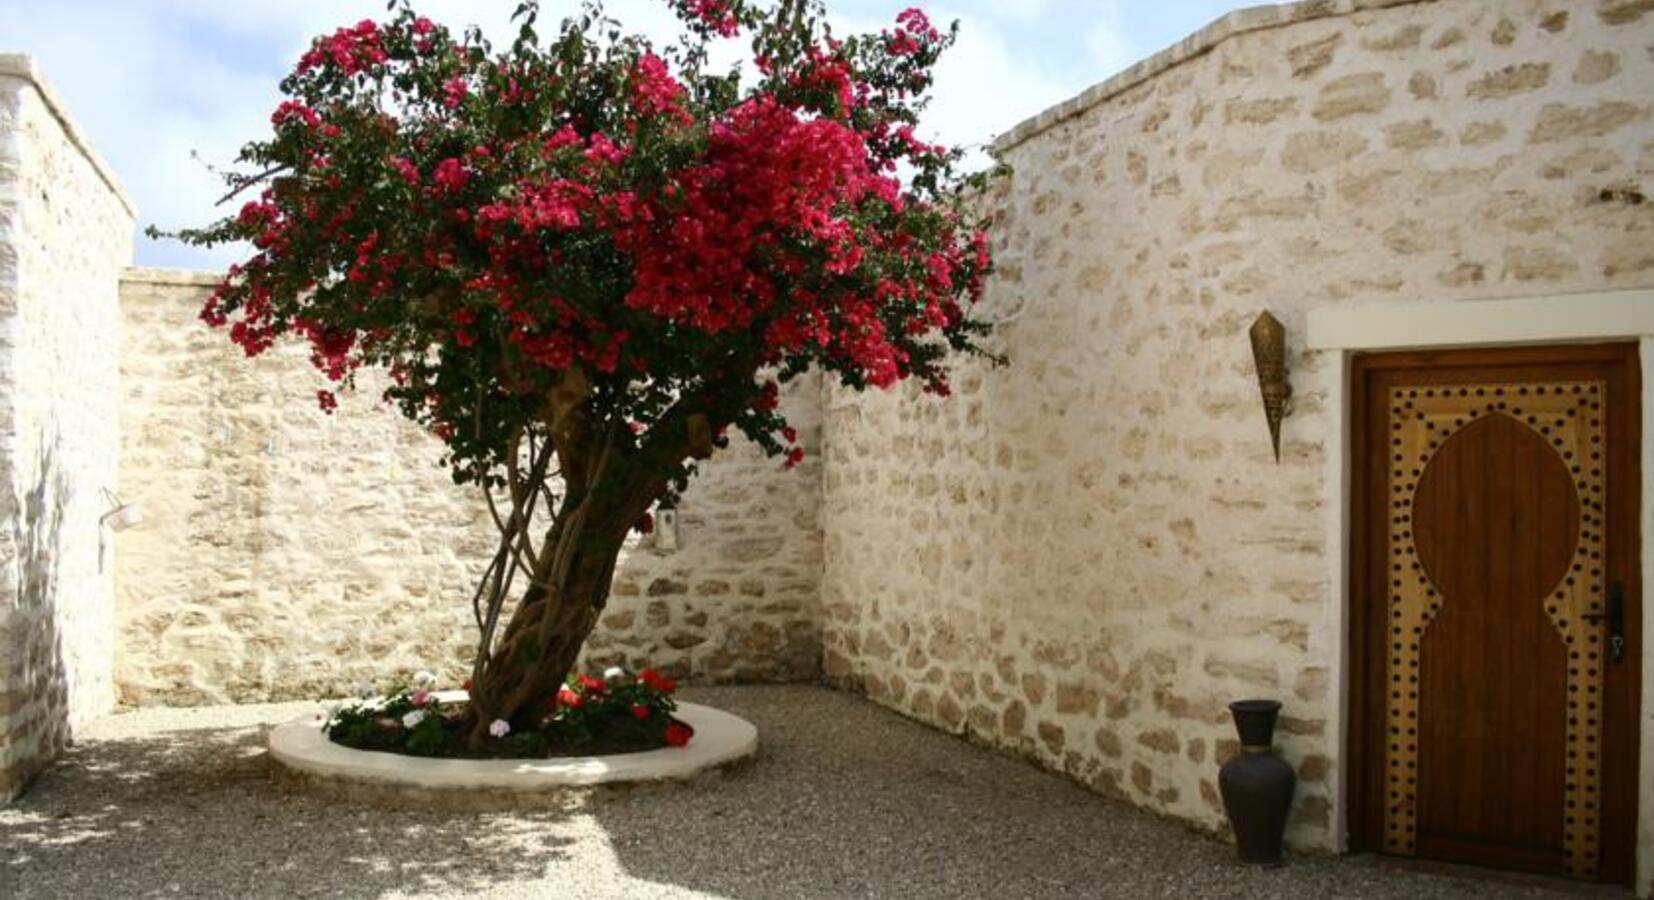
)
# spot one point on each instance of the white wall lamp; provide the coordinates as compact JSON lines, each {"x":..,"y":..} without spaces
{"x":120,"y":517}
{"x":666,"y":529}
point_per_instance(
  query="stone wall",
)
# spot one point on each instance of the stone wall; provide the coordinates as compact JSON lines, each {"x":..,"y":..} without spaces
{"x":65,"y":232}
{"x":288,"y":553}
{"x":1082,"y":558}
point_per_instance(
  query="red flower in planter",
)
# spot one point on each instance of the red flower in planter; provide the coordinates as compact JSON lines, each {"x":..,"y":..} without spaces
{"x":590,"y":685}
{"x":657,"y":682}
{"x":678,"y":734}
{"x":640,"y":712}
{"x":567,"y":697}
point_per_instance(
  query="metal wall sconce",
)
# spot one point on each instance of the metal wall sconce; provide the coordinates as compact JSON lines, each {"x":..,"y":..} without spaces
{"x":1269,"y":355}
{"x":120,"y":517}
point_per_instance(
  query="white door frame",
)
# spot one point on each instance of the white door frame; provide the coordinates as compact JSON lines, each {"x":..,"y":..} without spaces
{"x":1557,"y":319}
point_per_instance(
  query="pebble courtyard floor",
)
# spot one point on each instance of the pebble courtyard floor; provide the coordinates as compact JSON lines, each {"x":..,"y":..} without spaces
{"x":846,"y":800}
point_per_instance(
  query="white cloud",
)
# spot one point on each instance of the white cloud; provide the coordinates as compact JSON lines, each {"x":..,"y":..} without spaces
{"x":1106,"y":43}
{"x":984,"y":87}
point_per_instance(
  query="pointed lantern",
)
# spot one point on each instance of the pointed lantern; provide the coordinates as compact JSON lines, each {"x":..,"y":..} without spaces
{"x":1269,"y":354}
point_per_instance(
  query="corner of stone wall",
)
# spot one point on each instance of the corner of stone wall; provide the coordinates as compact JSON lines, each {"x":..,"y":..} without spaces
{"x":65,"y":232}
{"x":1084,"y":561}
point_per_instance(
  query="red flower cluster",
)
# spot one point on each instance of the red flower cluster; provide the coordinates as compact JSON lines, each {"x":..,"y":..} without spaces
{"x":913,"y":21}
{"x":771,"y":178}
{"x":350,"y":49}
{"x":454,"y":91}
{"x":656,"y":681}
{"x":717,"y":15}
{"x":655,"y":92}
{"x":450,"y":175}
{"x":295,"y":111}
{"x":474,"y":223}
{"x":586,"y":704}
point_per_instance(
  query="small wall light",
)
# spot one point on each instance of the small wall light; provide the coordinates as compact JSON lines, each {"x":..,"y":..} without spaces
{"x":666,"y":529}
{"x":120,"y":517}
{"x":1269,"y":355}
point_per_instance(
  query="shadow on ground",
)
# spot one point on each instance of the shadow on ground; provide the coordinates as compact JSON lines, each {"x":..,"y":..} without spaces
{"x":192,"y":812}
{"x":846,"y":800}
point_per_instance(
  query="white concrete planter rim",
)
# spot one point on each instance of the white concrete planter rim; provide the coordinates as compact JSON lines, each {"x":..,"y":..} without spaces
{"x":720,"y":739}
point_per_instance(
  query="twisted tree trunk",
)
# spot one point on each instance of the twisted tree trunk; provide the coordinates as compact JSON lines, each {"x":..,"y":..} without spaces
{"x":542,"y":643}
{"x":609,"y":483}
{"x":568,"y":583}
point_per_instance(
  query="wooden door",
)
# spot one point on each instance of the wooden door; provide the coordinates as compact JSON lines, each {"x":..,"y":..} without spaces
{"x":1495,"y":608}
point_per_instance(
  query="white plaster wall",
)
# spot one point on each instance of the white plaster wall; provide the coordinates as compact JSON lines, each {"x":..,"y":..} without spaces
{"x":1082,"y":558}
{"x":65,"y":233}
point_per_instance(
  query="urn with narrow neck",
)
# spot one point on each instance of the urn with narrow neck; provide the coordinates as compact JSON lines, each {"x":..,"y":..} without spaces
{"x":1257,"y":785}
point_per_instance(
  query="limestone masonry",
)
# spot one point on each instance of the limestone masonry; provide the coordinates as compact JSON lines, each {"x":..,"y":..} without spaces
{"x":1079,"y":559}
{"x":65,"y":233}
{"x":288,"y":553}
{"x":1084,"y":557}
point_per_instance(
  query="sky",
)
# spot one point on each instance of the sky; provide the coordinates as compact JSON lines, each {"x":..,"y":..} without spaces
{"x":166,"y":87}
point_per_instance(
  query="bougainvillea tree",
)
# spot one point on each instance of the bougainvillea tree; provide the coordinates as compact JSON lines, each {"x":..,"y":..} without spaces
{"x":583,"y":261}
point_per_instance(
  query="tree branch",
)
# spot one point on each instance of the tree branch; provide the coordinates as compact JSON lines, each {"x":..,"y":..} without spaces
{"x":250,"y":181}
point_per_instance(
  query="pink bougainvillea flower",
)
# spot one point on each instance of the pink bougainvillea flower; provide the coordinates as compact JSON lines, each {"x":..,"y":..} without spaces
{"x":454,"y":91}
{"x":654,"y":680}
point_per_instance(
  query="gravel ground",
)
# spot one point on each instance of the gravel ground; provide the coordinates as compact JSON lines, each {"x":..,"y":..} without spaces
{"x":846,"y":800}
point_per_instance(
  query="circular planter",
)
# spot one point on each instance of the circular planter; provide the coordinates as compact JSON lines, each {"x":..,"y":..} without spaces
{"x":300,"y":752}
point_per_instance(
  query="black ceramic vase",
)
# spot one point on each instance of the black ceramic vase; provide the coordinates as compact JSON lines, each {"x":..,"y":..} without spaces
{"x":1257,"y":785}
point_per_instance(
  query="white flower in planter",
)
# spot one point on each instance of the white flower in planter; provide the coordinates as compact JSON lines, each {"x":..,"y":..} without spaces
{"x":364,"y":689}
{"x":413,"y":719}
{"x":499,"y":728}
{"x":614,"y":675}
{"x":424,"y":678}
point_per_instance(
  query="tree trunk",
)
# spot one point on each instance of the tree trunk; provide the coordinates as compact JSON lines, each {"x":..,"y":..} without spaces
{"x":542,"y":641}
{"x":569,"y":584}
